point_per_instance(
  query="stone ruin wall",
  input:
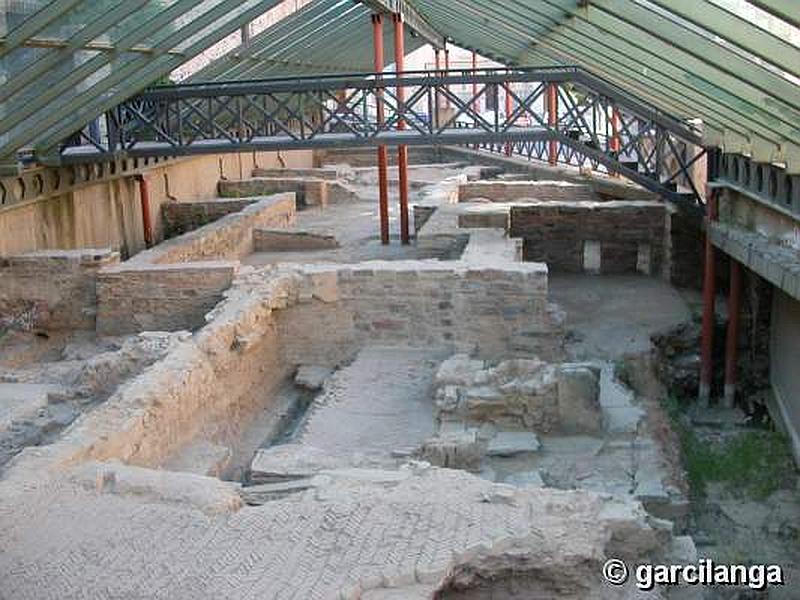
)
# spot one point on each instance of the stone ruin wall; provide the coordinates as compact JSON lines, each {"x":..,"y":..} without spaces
{"x":272,"y":321}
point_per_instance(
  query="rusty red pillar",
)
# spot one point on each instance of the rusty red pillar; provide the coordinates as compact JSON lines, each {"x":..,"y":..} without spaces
{"x":383,"y":176}
{"x":709,"y":293}
{"x":509,"y":110}
{"x":552,"y":121}
{"x":732,"y":336}
{"x":615,"y":139}
{"x":144,"y":197}
{"x":402,"y":151}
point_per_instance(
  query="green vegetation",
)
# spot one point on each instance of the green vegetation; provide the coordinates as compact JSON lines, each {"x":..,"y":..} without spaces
{"x":754,"y":463}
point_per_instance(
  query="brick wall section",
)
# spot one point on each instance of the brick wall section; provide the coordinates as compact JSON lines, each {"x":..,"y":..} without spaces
{"x":505,"y":191}
{"x":555,"y":233}
{"x":309,"y":192}
{"x":494,"y":311}
{"x":182,"y":217}
{"x":159,"y":297}
{"x":173,"y":285}
{"x":228,"y":238}
{"x":51,"y":289}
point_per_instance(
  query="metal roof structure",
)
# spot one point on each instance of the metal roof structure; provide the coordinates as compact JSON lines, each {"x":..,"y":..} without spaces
{"x":65,"y":62}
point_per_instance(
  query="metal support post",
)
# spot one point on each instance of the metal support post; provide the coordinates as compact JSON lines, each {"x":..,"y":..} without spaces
{"x":552,"y":121}
{"x":402,"y":151}
{"x":383,"y":176}
{"x":144,"y":197}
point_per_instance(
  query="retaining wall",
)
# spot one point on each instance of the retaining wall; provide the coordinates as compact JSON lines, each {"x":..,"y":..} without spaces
{"x":107,"y":213}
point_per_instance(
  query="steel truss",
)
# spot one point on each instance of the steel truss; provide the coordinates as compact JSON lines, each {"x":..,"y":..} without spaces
{"x":640,"y":143}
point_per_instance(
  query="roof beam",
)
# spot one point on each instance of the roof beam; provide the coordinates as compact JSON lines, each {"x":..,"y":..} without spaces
{"x":733,"y":28}
{"x":141,"y":71}
{"x":36,"y":23}
{"x":411,"y":17}
{"x":783,"y":9}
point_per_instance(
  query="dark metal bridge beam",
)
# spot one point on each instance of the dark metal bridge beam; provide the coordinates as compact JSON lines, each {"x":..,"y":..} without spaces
{"x":646,"y":145}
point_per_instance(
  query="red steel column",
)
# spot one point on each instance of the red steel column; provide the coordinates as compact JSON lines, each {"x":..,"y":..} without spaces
{"x":509,"y":110}
{"x":615,"y":140}
{"x":383,"y":160}
{"x":732,"y":336}
{"x":709,"y":293}
{"x":552,"y":121}
{"x":402,"y":151}
{"x":144,"y":197}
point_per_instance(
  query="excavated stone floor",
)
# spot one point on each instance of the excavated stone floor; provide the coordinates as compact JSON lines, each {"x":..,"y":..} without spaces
{"x":330,"y":492}
{"x":48,"y":382}
{"x":356,"y":225}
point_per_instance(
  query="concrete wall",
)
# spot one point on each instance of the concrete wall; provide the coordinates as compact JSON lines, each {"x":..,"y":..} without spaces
{"x":606,"y":237}
{"x":784,"y":355}
{"x":741,"y":211}
{"x":108,"y":213}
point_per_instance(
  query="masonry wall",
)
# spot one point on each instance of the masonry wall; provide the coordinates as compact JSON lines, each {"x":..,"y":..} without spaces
{"x":309,"y":192}
{"x":609,"y":237}
{"x":507,"y":191}
{"x":213,"y":382}
{"x":356,"y":157}
{"x":108,"y":213}
{"x":183,"y":217}
{"x":173,"y":285}
{"x":51,"y":290}
{"x":229,"y":237}
{"x":428,"y":304}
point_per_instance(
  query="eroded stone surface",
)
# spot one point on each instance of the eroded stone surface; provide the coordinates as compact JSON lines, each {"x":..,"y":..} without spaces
{"x":521,"y":394}
{"x":422,"y":530}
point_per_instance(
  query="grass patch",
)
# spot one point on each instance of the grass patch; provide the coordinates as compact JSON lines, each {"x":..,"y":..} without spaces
{"x":754,"y":463}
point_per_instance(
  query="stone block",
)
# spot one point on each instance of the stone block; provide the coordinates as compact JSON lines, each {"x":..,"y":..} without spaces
{"x":276,"y":240}
{"x":454,"y":450}
{"x":512,"y":443}
{"x":578,"y":399}
{"x":312,"y":377}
